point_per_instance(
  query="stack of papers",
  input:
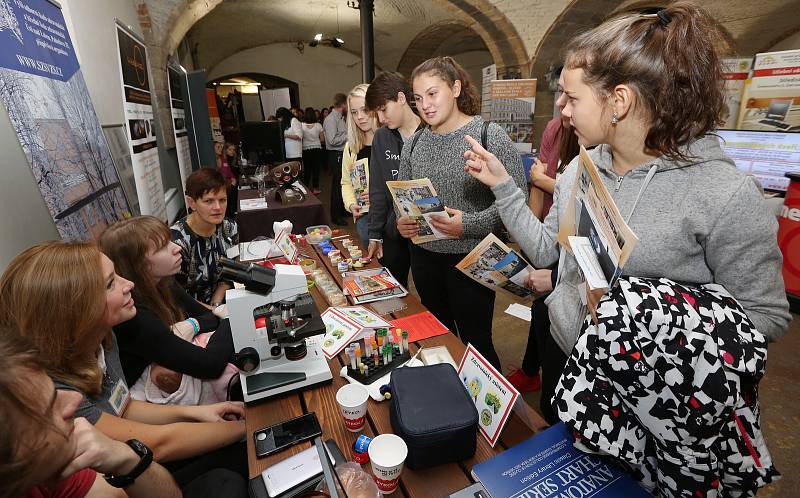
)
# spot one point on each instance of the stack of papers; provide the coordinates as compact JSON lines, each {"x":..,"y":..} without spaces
{"x":251,"y":204}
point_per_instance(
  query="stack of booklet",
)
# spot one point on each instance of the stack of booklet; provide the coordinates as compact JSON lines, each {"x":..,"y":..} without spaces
{"x":374,"y":284}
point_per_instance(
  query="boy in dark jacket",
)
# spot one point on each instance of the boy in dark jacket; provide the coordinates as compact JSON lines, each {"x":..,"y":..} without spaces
{"x":390,"y":96}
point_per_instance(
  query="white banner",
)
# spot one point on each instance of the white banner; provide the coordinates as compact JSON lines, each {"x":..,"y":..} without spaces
{"x":138,"y":107}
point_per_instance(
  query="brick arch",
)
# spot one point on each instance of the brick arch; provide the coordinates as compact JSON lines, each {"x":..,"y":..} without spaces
{"x":497,"y":32}
{"x":428,"y":41}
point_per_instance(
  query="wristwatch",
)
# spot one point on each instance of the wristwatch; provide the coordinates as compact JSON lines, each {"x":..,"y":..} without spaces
{"x":145,"y":459}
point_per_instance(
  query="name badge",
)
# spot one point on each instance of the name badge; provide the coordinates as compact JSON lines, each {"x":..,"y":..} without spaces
{"x":120,"y":397}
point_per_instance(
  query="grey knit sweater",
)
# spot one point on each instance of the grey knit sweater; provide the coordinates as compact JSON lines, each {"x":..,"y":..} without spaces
{"x":441,"y":158}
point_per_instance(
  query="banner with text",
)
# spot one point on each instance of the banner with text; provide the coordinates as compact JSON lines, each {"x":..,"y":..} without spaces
{"x":772,"y":101}
{"x":175,"y":76}
{"x":513,"y":103}
{"x":735,"y":72}
{"x":49,"y":106}
{"x":138,"y":108}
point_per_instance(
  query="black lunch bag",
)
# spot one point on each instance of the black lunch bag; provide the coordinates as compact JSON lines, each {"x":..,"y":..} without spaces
{"x":433,"y":413}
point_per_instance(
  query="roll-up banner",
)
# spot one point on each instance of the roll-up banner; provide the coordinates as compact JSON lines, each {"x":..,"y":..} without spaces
{"x":138,"y":110}
{"x":43,"y":89}
{"x":175,"y":77}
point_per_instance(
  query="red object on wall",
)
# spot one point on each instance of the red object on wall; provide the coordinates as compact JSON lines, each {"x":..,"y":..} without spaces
{"x":789,"y":236}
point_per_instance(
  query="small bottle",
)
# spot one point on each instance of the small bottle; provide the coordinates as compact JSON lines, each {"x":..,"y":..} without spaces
{"x":405,"y":340}
{"x":389,"y":351}
{"x":352,"y":354}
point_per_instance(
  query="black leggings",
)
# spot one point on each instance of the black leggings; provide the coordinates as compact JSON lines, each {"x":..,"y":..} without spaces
{"x":459,"y":302}
{"x":312,"y":162}
{"x":232,"y":457}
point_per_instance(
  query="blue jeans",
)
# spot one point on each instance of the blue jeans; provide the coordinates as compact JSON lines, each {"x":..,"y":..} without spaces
{"x":363,"y":234}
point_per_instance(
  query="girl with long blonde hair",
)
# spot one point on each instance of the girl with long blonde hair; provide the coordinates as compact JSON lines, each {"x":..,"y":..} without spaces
{"x":361,"y":127}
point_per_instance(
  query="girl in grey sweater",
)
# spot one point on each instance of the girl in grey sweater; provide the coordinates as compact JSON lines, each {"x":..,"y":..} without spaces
{"x":648,"y":88}
{"x":447,"y":102}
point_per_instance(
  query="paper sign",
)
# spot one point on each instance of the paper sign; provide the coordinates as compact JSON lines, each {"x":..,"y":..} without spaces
{"x":287,"y":247}
{"x":420,"y":326}
{"x":345,"y":325}
{"x":493,"y":395}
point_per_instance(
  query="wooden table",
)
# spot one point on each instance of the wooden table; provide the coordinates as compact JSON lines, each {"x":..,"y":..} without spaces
{"x":258,"y":222}
{"x":432,"y":482}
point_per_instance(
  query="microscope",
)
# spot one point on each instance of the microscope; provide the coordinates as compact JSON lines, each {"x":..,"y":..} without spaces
{"x":271,"y":319}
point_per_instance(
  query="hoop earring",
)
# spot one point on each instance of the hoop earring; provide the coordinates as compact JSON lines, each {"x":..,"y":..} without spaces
{"x":614,"y":118}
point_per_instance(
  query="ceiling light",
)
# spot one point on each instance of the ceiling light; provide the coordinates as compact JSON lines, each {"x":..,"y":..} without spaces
{"x":318,"y":37}
{"x":339,"y":40}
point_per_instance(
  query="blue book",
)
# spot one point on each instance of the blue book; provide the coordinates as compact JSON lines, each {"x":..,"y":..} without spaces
{"x":548,"y":465}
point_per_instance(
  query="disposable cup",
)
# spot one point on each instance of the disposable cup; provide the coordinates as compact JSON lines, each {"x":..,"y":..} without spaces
{"x":387,"y":453}
{"x":352,"y":399}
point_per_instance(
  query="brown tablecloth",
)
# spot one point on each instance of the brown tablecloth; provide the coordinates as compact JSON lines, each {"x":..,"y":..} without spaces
{"x":258,"y":222}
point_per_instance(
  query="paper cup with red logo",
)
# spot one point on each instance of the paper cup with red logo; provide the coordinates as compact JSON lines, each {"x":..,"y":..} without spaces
{"x":352,"y":399}
{"x":387,"y":453}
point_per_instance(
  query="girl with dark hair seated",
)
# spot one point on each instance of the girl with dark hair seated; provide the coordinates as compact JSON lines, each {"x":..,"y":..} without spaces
{"x":168,"y":318}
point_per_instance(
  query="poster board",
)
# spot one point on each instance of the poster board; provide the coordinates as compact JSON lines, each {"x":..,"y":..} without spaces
{"x":488,"y":74}
{"x":42,"y":86}
{"x":138,"y":111}
{"x":176,"y":78}
{"x":513,"y":105}
{"x":772,"y":101}
{"x":735,"y":72}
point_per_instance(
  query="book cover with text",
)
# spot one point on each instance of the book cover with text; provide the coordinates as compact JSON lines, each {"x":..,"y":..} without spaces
{"x":548,"y":465}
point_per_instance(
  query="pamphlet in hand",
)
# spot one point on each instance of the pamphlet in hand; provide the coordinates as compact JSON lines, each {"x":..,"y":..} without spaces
{"x":498,"y":267}
{"x":593,"y":229}
{"x":358,"y":179}
{"x":417,"y":200}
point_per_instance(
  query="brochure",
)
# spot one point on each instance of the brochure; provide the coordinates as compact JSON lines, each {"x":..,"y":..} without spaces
{"x":548,"y":464}
{"x":498,"y":267}
{"x":417,"y":199}
{"x":360,"y":285}
{"x":396,"y":290}
{"x":493,"y":395}
{"x":593,"y":217}
{"x":358,"y":179}
{"x":347,"y":324}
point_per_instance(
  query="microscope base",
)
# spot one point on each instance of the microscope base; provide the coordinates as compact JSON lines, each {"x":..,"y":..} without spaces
{"x":287,"y":376}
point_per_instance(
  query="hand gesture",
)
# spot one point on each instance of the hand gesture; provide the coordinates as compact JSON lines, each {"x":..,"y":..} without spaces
{"x":539,"y":281}
{"x":228,"y":410}
{"x":538,"y":171}
{"x":407,"y":227}
{"x":452,"y":226}
{"x":484,"y":165}
{"x":364,"y":197}
{"x":375,"y":250}
{"x":356,"y":210}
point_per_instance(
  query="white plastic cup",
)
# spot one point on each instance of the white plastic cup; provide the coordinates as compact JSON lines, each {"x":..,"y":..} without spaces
{"x":387,"y":453}
{"x":352,"y":399}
